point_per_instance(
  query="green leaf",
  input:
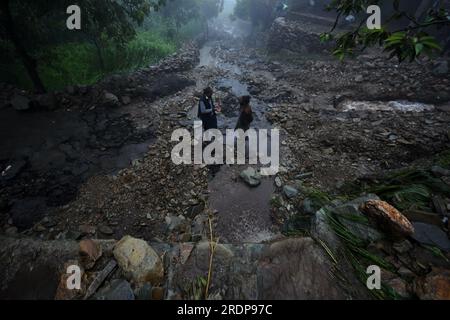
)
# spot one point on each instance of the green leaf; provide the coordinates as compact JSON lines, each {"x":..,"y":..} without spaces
{"x":418,"y":47}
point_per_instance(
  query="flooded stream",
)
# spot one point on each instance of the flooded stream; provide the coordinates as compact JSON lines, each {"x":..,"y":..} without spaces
{"x":243,"y":213}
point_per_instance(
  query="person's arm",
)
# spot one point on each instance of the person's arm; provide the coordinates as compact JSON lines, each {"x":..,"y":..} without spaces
{"x":203,"y":109}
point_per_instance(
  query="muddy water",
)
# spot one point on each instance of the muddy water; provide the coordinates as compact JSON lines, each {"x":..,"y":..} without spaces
{"x":46,"y":156}
{"x":243,"y":213}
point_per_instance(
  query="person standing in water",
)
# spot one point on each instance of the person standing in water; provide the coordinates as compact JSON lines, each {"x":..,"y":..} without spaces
{"x":207,"y":110}
{"x":246,"y":114}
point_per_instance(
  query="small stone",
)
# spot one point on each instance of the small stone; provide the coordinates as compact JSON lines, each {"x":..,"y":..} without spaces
{"x":403,"y":247}
{"x":90,"y":252}
{"x":278,"y":182}
{"x":126,"y":100}
{"x":359,"y":78}
{"x":251,"y":177}
{"x":110,"y":100}
{"x":290,"y":192}
{"x":405,"y":272}
{"x":117,"y":290}
{"x":87,"y":229}
{"x":20,"y":102}
{"x":106,"y":230}
{"x":144,"y":292}
{"x":185,"y":237}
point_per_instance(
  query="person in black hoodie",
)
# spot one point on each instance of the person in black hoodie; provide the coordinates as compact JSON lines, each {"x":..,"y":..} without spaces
{"x":246,"y":114}
{"x":207,"y":110}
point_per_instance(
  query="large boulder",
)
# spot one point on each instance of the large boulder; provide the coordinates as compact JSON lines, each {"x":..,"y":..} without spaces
{"x":139,"y":261}
{"x":296,"y":269}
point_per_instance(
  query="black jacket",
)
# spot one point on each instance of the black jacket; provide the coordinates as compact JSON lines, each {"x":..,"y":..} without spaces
{"x":208,"y":113}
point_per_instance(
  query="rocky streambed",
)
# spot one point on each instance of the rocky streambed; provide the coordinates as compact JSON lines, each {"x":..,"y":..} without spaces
{"x":97,"y":169}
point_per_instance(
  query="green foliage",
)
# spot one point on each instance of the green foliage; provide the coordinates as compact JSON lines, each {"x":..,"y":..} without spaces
{"x":197,"y":289}
{"x":76,"y":63}
{"x":116,"y":36}
{"x":355,"y":251}
{"x":406,"y":43}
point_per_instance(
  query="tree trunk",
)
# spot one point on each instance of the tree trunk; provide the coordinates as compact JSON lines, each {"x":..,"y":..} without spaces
{"x":29,"y":63}
{"x":99,"y":55}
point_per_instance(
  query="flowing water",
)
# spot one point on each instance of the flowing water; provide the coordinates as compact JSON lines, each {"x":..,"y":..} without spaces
{"x":243,"y":213}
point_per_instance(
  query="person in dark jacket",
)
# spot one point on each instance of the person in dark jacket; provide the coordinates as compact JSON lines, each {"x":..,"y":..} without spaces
{"x":207,"y":110}
{"x":246,"y":114}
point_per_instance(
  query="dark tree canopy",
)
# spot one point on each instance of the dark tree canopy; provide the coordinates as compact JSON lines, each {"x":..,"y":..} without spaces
{"x":403,"y":34}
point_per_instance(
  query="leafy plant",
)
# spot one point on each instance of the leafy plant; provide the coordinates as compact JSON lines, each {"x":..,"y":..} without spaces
{"x":405,"y":43}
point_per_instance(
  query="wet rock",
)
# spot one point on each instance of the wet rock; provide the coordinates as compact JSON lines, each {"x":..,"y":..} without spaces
{"x":251,"y":177}
{"x":400,"y":286}
{"x":352,"y":218}
{"x":440,"y":67}
{"x":70,"y":235}
{"x":20,"y":102}
{"x":431,"y":235}
{"x":118,"y":289}
{"x":199,"y":227}
{"x":87,"y":229}
{"x":175,"y":223}
{"x":322,"y":230}
{"x":403,"y":247}
{"x":435,"y":286}
{"x":106,"y":230}
{"x":359,"y":78}
{"x":424,"y":216}
{"x":278,"y":182}
{"x":90,"y":252}
{"x":440,"y":172}
{"x":110,"y":100}
{"x":296,"y":269}
{"x":139,"y":261}
{"x":126,"y":100}
{"x":144,"y":292}
{"x":388,"y":219}
{"x":308,"y":206}
{"x":290,"y":192}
